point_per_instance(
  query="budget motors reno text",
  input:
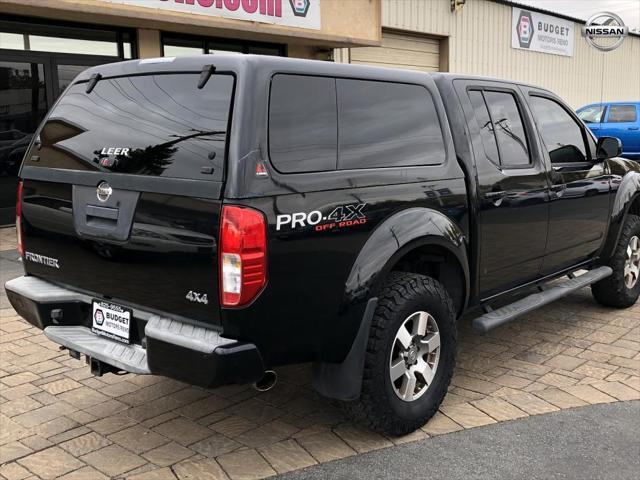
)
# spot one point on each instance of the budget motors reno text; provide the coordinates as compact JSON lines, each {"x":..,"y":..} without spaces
{"x":293,"y":13}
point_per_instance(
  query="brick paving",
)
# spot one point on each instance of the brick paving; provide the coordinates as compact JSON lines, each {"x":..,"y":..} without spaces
{"x":57,"y":421}
{"x":8,"y":239}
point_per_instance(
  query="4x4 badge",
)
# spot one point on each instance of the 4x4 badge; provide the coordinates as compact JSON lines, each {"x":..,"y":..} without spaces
{"x":104,"y":191}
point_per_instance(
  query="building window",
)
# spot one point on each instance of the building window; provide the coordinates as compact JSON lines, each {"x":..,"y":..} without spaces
{"x":20,"y":36}
{"x":179,"y":45}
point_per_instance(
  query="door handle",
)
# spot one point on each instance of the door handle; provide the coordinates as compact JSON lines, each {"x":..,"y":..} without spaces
{"x":495,"y":197}
{"x":633,"y":128}
{"x":102,"y":212}
{"x":558,"y":189}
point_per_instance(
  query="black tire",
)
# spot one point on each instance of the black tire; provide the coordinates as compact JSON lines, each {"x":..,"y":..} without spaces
{"x":613,"y":291}
{"x":379,"y":407}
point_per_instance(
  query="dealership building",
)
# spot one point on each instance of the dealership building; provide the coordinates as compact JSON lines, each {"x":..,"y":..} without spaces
{"x":45,"y":43}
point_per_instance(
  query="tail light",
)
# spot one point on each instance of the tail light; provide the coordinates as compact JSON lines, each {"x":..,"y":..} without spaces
{"x":19,"y":219}
{"x":243,"y":255}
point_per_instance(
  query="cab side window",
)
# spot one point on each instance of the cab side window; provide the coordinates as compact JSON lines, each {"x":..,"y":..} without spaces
{"x":561,"y":134}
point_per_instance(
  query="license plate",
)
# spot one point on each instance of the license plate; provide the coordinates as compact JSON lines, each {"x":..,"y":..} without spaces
{"x":111,"y":321}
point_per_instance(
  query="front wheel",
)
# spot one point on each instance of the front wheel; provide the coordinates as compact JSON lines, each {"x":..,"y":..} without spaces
{"x":410,"y":355}
{"x":622,"y":289}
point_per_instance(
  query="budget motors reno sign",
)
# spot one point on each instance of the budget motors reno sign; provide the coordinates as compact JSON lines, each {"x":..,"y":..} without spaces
{"x":541,"y":33}
{"x":293,"y":13}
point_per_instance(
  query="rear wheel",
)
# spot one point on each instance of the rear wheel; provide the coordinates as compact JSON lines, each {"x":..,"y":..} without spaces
{"x":622,"y":289}
{"x":410,"y":355}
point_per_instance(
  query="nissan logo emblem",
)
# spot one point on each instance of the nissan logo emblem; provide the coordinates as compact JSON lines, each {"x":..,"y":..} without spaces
{"x":104,"y":191}
{"x":608,"y":28}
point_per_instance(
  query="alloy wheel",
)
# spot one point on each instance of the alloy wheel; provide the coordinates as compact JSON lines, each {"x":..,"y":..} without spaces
{"x":632,"y":264}
{"x":414,"y":356}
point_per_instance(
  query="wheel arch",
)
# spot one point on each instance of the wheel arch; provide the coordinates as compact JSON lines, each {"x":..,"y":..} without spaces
{"x":627,"y":201}
{"x":414,"y":240}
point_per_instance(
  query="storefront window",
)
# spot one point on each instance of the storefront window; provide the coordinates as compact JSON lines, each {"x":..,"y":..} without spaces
{"x":177,"y":46}
{"x":12,"y":41}
{"x":180,"y":47}
{"x":63,"y":39}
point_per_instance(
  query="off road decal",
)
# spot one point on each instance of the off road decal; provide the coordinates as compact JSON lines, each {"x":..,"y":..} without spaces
{"x":340,"y":217}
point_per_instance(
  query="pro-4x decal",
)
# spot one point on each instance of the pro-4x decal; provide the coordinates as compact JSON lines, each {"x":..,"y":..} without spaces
{"x":343,"y":216}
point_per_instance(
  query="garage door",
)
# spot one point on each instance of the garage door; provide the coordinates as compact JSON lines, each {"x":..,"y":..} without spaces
{"x":400,"y":50}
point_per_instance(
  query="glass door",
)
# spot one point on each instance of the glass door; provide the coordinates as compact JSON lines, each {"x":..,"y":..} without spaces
{"x":23,"y":104}
{"x":37,"y":62}
{"x":28,"y":88}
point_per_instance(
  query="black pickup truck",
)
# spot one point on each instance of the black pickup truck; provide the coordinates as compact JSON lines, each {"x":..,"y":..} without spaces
{"x":210,"y":218}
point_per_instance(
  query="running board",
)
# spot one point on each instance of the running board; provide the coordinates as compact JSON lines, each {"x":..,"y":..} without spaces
{"x":509,"y":312}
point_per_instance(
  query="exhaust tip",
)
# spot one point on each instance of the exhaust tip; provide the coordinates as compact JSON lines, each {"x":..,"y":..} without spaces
{"x":267,"y":382}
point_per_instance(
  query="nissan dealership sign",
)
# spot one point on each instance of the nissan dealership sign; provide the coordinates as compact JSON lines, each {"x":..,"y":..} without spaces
{"x":541,"y":33}
{"x":293,"y":13}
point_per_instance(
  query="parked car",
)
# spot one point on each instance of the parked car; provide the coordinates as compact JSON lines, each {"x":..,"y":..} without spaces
{"x":337,"y":214}
{"x":615,"y":119}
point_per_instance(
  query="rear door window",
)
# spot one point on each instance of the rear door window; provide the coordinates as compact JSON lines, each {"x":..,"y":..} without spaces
{"x":303,"y":124}
{"x":384,"y":124}
{"x":154,"y":125}
{"x":508,"y":129}
{"x":622,"y":113}
{"x":485,"y":125}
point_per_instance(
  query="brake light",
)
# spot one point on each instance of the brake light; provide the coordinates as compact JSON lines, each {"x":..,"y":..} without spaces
{"x":243,"y":255}
{"x":19,"y":219}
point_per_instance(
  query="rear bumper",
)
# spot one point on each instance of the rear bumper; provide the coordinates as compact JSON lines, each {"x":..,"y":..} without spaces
{"x":186,"y":352}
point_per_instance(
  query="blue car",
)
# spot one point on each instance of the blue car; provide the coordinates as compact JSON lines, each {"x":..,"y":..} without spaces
{"x":615,"y":119}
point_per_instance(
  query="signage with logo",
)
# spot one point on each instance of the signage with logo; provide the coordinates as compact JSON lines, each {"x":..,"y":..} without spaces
{"x":605,"y":31}
{"x":293,"y":13}
{"x":541,"y":33}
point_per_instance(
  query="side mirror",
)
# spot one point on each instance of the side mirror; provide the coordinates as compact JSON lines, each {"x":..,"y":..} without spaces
{"x":608,"y":147}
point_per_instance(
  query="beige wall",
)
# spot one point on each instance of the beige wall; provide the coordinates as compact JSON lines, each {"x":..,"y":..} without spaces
{"x":478,"y":41}
{"x":344,"y":22}
{"x":149,"y":43}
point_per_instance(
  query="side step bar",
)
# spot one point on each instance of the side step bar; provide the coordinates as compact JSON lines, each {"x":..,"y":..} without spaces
{"x":509,"y":312}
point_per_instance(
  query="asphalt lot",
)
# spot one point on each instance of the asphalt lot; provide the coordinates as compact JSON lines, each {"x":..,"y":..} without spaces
{"x":594,"y":442}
